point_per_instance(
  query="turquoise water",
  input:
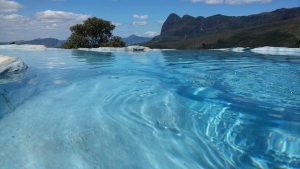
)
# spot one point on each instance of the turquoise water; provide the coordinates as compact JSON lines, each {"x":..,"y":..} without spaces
{"x":158,"y":110}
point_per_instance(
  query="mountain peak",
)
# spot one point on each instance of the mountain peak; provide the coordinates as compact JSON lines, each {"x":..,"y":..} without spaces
{"x":173,"y":18}
{"x":133,"y":36}
{"x":194,"y":26}
{"x":230,"y":31}
{"x":188,"y":17}
{"x":49,"y":42}
{"x":134,"y":39}
{"x":173,"y":15}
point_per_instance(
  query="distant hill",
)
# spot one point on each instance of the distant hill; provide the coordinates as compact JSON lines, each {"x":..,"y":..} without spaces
{"x":133,"y":39}
{"x":278,"y":28}
{"x":48,"y":42}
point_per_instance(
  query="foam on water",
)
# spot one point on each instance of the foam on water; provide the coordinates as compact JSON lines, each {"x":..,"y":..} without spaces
{"x":171,"y":109}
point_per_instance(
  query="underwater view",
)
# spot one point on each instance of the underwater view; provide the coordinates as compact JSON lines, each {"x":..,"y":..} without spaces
{"x":192,"y":109}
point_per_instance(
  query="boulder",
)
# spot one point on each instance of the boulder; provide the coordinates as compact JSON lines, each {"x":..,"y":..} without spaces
{"x":11,"y":64}
{"x":137,"y":49}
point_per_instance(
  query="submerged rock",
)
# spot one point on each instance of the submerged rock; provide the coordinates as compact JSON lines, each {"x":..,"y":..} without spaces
{"x":137,"y":49}
{"x":11,"y":64}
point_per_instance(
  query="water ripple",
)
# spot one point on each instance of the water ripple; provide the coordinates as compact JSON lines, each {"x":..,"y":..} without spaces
{"x":176,"y":109}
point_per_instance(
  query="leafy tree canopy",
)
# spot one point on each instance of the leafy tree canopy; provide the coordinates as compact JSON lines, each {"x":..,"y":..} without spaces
{"x":93,"y":33}
{"x":298,"y":41}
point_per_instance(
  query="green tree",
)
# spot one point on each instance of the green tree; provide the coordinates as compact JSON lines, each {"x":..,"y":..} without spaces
{"x":117,"y":42}
{"x":298,"y":41}
{"x":93,"y":33}
{"x":76,"y":41}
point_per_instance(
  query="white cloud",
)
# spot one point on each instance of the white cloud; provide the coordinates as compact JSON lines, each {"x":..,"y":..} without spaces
{"x":43,"y":24}
{"x":14,"y":18}
{"x":116,"y":24}
{"x":231,"y":2}
{"x":143,"y":17}
{"x":51,"y":26}
{"x":9,"y":6}
{"x":151,"y":33}
{"x":60,"y":16}
{"x":139,"y":23}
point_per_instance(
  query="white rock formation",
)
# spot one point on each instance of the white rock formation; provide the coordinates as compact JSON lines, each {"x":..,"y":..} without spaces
{"x":125,"y":49}
{"x":24,"y":47}
{"x":103,"y":49}
{"x":11,"y":64}
{"x":277,"y":51}
{"x":237,"y":49}
{"x":137,"y":49}
{"x":267,"y":50}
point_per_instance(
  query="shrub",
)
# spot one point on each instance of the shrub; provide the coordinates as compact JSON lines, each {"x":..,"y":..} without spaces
{"x":93,"y":33}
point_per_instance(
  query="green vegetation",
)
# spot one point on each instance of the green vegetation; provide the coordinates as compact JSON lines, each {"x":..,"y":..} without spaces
{"x":117,"y":41}
{"x":298,"y":41}
{"x":93,"y":33}
{"x":280,"y":28}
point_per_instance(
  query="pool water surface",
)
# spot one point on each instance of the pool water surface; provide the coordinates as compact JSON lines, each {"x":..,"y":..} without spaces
{"x":161,"y":110}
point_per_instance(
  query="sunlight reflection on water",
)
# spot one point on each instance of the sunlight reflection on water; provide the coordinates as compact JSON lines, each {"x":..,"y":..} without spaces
{"x":171,"y":109}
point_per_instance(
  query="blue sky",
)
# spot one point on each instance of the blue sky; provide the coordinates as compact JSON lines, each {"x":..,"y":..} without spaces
{"x":28,"y":19}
